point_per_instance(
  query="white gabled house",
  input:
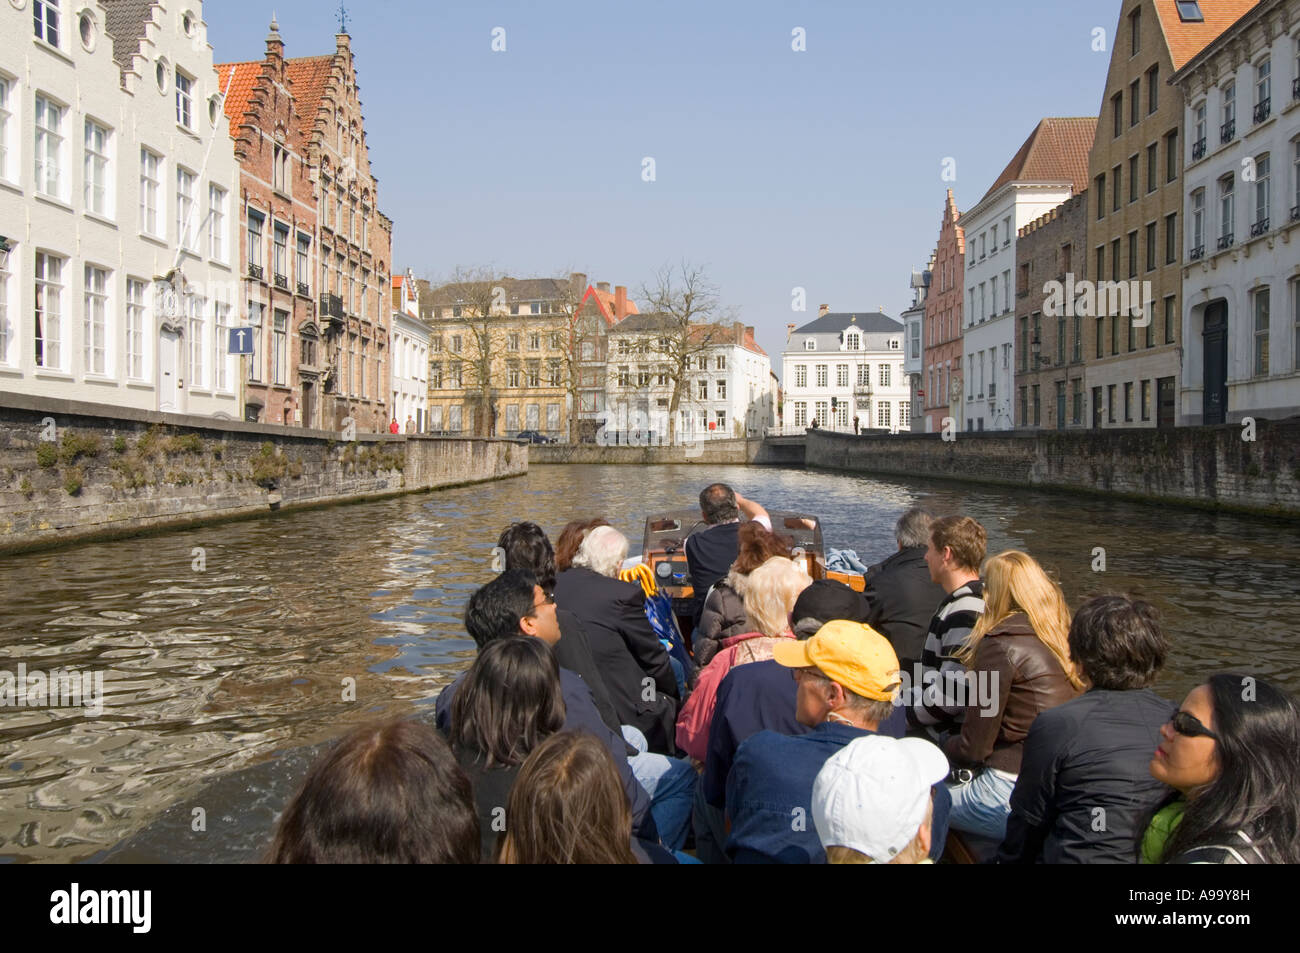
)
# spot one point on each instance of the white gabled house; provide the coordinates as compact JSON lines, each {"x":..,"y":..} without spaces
{"x":117,"y":192}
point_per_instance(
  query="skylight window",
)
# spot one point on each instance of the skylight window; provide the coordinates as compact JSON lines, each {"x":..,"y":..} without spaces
{"x":1189,"y":11}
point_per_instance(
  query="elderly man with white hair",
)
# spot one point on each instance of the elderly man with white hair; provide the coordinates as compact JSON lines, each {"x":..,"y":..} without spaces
{"x":629,"y":655}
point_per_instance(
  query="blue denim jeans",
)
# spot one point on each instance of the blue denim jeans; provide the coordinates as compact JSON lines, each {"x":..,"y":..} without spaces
{"x":670,"y":782}
{"x":983,"y":805}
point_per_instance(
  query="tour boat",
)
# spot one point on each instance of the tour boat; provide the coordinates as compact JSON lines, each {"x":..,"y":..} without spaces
{"x":663,"y":549}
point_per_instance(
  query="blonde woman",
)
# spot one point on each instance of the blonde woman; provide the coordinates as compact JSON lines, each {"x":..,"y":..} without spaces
{"x":770,"y":594}
{"x":1018,"y":661}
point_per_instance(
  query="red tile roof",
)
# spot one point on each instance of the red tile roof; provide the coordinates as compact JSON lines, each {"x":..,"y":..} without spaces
{"x":750,"y":344}
{"x":308,"y":78}
{"x":1056,"y":151}
{"x":241,"y":90}
{"x":1185,"y":40}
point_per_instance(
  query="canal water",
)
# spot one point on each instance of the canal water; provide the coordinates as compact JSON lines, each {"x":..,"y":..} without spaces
{"x":231,"y":654}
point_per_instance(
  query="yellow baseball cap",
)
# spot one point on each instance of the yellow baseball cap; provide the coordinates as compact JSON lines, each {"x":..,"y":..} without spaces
{"x":853,"y":654}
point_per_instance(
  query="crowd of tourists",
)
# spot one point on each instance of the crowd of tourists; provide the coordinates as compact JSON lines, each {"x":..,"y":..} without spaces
{"x":954,"y":707}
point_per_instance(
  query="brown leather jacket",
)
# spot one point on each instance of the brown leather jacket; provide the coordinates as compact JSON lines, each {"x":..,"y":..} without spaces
{"x":1013,"y":669}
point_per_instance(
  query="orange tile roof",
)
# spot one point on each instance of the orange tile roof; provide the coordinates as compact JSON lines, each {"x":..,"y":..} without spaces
{"x":241,"y":90}
{"x":607,"y":299}
{"x":308,"y":78}
{"x":1185,"y":40}
{"x":1056,"y":151}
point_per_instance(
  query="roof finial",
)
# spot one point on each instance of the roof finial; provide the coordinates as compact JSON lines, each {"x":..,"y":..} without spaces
{"x":342,"y":17}
{"x":275,"y":23}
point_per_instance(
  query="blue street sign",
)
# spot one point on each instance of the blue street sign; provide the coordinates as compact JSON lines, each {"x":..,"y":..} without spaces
{"x":241,"y":341}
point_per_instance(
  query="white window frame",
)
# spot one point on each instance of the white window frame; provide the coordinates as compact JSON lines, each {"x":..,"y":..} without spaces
{"x":184,"y":100}
{"x":137,"y":297}
{"x":98,"y":177}
{"x":48,"y":146}
{"x":255,"y":312}
{"x":217,"y":197}
{"x":42,"y":27}
{"x":6,"y":335}
{"x":95,"y":321}
{"x":1227,"y":205}
{"x":7,"y":124}
{"x":1198,"y":218}
{"x":185,"y":181}
{"x":801,"y":375}
{"x":198,"y":331}
{"x":1263,"y":188}
{"x":1259,"y":352}
{"x":151,"y":208}
{"x":48,"y":309}
{"x":220,"y":340}
{"x":280,"y":348}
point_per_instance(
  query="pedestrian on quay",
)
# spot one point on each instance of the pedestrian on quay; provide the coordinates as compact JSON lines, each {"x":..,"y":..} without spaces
{"x":393,"y":428}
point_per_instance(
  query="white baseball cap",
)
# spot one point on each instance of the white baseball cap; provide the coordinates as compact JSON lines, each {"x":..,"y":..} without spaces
{"x":871,"y":796}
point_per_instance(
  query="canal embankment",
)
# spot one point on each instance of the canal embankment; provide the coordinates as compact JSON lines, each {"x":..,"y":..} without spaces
{"x":1251,"y":468}
{"x":708,"y":452}
{"x":73,"y":471}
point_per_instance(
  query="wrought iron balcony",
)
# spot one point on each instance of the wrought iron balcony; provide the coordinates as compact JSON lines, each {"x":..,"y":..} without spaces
{"x":304,"y":290}
{"x":1225,"y":241}
{"x":1295,"y":213}
{"x":1259,"y":228}
{"x":862,"y":390}
{"x":1196,"y":254}
{"x":1198,"y":149}
{"x":1295,"y":88}
{"x":282,"y":282}
{"x":1228,"y":130}
{"x":256,"y":273}
{"x":1263,"y":108}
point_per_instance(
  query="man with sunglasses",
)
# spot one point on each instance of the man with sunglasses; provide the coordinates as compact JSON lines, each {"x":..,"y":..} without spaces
{"x":1084,"y":790}
{"x":514,"y":606}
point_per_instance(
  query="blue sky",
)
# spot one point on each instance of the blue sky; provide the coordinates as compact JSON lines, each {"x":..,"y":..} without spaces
{"x":775,"y":169}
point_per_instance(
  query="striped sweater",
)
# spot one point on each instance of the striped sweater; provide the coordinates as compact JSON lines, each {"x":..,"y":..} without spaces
{"x":937,"y":705}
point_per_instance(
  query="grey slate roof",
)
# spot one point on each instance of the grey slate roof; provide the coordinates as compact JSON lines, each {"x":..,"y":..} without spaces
{"x":125,"y":22}
{"x":834,"y":322}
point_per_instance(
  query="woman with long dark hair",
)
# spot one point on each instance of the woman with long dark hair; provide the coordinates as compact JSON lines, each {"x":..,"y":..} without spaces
{"x":1230,"y":752}
{"x":509,"y":703}
{"x":385,"y":794}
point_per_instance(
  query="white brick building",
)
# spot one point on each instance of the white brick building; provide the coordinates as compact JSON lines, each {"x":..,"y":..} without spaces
{"x":409,"y":352}
{"x":842,"y":366}
{"x":106,"y":114}
{"x":1241,"y":181}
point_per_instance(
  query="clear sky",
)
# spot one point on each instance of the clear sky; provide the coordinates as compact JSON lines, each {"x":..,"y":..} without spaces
{"x":775,"y":169}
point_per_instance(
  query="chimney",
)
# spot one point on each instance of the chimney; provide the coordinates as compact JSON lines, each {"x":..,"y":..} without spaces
{"x":602,"y":286}
{"x":620,"y":302}
{"x":789,"y":332}
{"x":738,"y":329}
{"x":577,"y":284}
{"x":824,"y":309}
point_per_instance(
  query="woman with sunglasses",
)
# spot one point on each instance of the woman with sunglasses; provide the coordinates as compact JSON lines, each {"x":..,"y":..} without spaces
{"x":1229,"y":751}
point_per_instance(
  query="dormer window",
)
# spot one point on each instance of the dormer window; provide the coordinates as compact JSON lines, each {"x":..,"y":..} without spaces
{"x":853,"y":341}
{"x":809,"y":344}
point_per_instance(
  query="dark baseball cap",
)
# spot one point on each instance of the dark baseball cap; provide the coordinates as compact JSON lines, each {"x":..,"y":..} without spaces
{"x":828,"y":600}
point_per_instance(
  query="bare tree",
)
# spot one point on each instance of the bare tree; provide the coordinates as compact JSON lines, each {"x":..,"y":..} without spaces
{"x":582,"y":323}
{"x":686,"y":302}
{"x":481,"y":299}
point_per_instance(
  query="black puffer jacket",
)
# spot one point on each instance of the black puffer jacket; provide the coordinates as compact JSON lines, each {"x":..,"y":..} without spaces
{"x":723,"y":617}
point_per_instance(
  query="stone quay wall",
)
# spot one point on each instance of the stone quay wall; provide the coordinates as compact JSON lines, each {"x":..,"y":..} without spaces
{"x":1217,"y":467}
{"x":73,"y":471}
{"x":704,"y":452}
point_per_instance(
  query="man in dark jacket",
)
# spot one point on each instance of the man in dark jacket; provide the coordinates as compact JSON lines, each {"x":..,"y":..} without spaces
{"x":710,"y":552}
{"x":527,"y":547}
{"x":513,"y":605}
{"x":630,"y":657}
{"x":901,"y":597}
{"x":1084,"y":789}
